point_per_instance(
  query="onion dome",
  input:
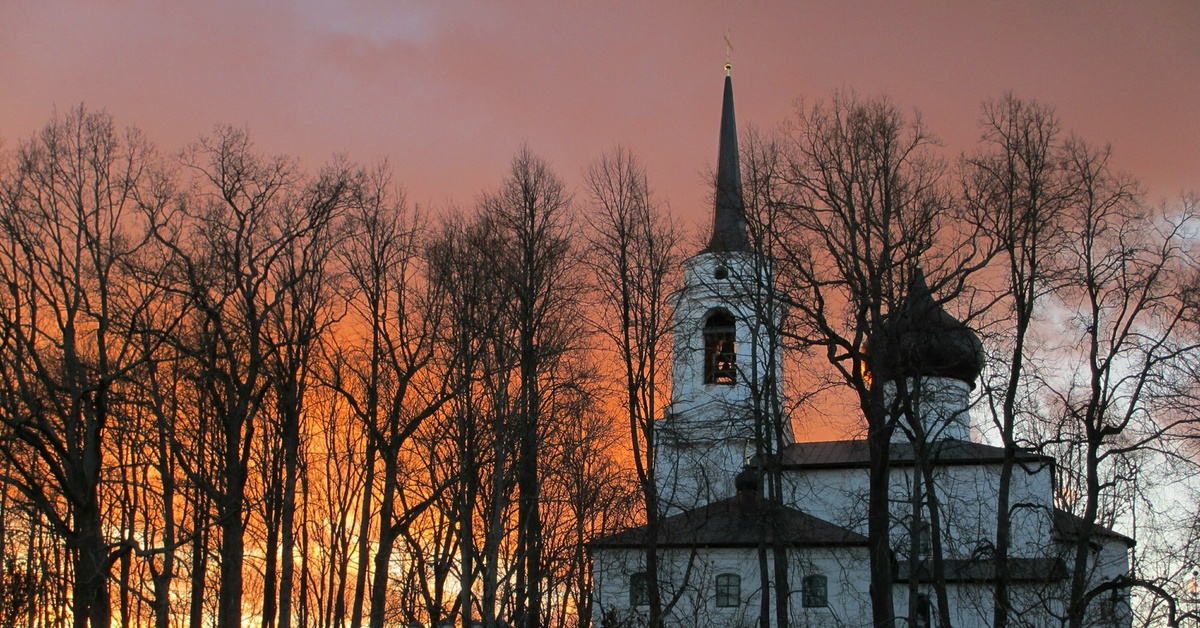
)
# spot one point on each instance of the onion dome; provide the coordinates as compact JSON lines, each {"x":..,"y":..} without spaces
{"x":747,"y":482}
{"x":923,"y":340}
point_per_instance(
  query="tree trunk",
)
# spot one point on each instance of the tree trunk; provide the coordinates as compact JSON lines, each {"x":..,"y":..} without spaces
{"x":90,"y":595}
{"x":879,"y":436}
{"x":199,"y":561}
{"x":387,"y":540}
{"x":364,"y":538}
{"x":229,"y":595}
{"x":290,"y":437}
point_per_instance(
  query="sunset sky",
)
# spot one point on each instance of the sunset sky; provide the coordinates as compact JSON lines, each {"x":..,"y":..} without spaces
{"x":447,"y":91}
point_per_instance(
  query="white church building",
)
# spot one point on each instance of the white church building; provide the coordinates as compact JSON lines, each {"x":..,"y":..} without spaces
{"x":710,"y":538}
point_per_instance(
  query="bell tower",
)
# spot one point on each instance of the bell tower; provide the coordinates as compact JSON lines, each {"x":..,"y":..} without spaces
{"x":723,"y":360}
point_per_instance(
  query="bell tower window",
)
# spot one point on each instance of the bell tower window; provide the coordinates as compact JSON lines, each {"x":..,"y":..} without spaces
{"x":720,"y":350}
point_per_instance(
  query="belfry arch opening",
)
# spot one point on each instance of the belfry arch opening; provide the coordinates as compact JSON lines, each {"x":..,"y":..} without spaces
{"x":720,"y":348}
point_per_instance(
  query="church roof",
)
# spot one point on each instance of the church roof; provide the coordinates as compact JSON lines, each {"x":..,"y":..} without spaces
{"x":734,"y":522}
{"x":851,"y":454}
{"x":729,"y":208}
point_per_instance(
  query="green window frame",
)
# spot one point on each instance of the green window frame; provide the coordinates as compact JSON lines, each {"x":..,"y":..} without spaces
{"x":815,"y":591}
{"x":729,"y":590}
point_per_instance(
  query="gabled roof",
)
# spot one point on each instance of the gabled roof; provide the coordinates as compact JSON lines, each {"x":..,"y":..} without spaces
{"x":735,"y":522}
{"x":853,"y":454}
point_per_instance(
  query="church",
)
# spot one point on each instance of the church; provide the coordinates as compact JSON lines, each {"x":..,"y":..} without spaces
{"x":712,"y":555}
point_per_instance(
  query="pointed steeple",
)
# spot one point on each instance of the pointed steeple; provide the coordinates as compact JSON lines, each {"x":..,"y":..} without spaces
{"x":729,"y":212}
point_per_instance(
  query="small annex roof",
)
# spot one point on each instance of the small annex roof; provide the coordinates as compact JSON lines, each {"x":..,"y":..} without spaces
{"x":734,"y":522}
{"x":1068,"y":527}
{"x":853,"y":454}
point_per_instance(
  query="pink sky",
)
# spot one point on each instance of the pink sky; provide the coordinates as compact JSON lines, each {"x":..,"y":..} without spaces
{"x":449,"y":90}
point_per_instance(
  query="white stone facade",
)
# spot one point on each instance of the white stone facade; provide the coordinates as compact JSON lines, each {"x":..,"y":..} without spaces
{"x":690,"y":579}
{"x":709,"y":431}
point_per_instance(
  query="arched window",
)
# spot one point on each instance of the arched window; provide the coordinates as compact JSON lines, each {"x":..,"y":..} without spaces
{"x":924,"y":612}
{"x":720,"y":350}
{"x":729,"y":590}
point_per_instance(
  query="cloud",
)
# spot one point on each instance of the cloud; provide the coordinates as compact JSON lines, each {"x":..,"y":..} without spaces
{"x":377,"y":22}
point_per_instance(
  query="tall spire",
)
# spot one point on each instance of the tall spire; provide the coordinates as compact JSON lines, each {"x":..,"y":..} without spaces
{"x":729,"y":212}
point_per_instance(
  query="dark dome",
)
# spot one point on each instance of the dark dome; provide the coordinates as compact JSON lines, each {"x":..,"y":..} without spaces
{"x":923,"y":340}
{"x":747,"y":481}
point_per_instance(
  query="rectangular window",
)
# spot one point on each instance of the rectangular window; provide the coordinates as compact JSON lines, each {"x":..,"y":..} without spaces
{"x":729,"y":590}
{"x":816,"y":593}
{"x":639,"y":589}
{"x":924,"y":540}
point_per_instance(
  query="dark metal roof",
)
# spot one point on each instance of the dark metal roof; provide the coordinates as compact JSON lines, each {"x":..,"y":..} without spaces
{"x":735,"y":522}
{"x":848,"y":454}
{"x":1068,"y":527}
{"x":975,"y":570}
{"x":729,"y":211}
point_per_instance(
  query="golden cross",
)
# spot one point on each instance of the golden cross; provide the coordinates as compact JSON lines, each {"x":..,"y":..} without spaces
{"x":728,"y":51}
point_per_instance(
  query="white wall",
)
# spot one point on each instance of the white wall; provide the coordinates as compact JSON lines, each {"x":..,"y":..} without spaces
{"x":690,"y":576}
{"x":966,"y":495}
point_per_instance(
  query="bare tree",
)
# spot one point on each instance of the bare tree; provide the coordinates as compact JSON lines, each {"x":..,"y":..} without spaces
{"x":479,"y":448}
{"x":635,"y":256}
{"x":485,"y":418}
{"x":393,"y":382}
{"x":869,"y":209}
{"x":70,"y":322}
{"x":531,"y":210}
{"x":240,"y":223}
{"x":303,"y":317}
{"x":1016,"y":189}
{"x":1123,"y":273}
{"x":768,"y":198}
{"x":590,"y":498}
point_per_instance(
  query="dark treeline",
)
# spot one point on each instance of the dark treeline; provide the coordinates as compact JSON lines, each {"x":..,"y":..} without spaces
{"x":233,"y":392}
